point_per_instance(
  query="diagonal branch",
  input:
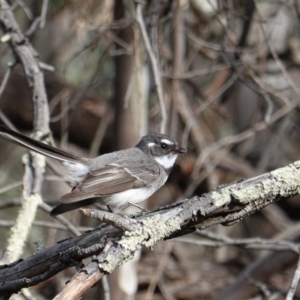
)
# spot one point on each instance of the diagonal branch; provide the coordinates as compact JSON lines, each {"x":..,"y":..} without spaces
{"x":113,"y":246}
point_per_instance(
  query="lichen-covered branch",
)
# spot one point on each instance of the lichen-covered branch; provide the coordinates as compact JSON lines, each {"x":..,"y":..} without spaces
{"x":114,"y":246}
{"x":34,"y":165}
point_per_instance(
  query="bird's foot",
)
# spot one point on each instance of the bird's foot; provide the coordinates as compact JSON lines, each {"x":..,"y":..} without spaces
{"x":111,"y":218}
{"x":139,"y":207}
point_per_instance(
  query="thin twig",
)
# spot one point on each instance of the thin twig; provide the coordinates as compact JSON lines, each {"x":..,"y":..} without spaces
{"x":231,"y":80}
{"x":7,"y":122}
{"x":242,"y":136}
{"x":155,"y":68}
{"x":44,"y":13}
{"x":5,"y":78}
{"x":161,"y":266}
{"x":26,"y":9}
{"x":33,"y":26}
{"x":106,"y":290}
{"x":196,"y":73}
{"x":99,"y":134}
{"x":10,"y":186}
{"x":50,"y":225}
{"x":61,"y":219}
{"x":74,"y":290}
{"x":254,"y":244}
{"x":275,"y":56}
{"x":294,"y":283}
{"x":46,"y":67}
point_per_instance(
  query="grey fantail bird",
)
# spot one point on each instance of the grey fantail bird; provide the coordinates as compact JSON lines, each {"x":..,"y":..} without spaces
{"x":118,"y":178}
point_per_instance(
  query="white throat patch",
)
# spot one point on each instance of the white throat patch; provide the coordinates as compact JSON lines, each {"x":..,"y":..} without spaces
{"x":166,"y":161}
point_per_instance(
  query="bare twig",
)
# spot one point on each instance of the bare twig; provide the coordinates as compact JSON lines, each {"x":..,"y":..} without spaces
{"x":44,"y":13}
{"x":99,"y":134}
{"x":110,"y":218}
{"x":158,"y":273}
{"x":195,"y":73}
{"x":226,"y":205}
{"x":5,"y":78}
{"x":106,"y":290}
{"x":275,"y":56}
{"x":208,"y":151}
{"x":155,"y":68}
{"x":46,"y":67}
{"x":49,"y":225}
{"x":26,"y":9}
{"x":254,"y":244}
{"x":81,"y":282}
{"x":10,"y":186}
{"x":294,"y":283}
{"x":7,"y":122}
{"x":33,"y":26}
{"x":250,"y":243}
{"x":74,"y":230}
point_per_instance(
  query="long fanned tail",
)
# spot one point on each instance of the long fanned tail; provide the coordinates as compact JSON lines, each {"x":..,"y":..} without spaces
{"x":36,"y":146}
{"x":65,"y":207}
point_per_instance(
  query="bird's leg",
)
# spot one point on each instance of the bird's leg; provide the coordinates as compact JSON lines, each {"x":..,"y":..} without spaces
{"x":140,"y":207}
{"x":109,"y":209}
{"x":110,"y":218}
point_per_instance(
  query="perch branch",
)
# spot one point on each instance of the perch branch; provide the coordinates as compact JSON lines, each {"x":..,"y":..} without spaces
{"x":113,"y":246}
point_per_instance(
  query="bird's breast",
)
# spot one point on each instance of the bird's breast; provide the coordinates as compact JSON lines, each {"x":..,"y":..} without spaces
{"x":121,"y":200}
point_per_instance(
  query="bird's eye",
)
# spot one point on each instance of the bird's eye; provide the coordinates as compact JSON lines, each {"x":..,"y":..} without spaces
{"x":163,"y":146}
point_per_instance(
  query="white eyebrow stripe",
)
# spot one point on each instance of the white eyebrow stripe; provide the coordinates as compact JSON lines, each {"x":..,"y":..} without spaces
{"x":167,"y":142}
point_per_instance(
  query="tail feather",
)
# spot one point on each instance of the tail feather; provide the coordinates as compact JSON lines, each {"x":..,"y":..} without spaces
{"x":35,"y":145}
{"x":65,"y":207}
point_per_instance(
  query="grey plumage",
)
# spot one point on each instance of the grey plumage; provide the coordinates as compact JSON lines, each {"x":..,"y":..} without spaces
{"x":113,"y":173}
{"x":130,"y":175}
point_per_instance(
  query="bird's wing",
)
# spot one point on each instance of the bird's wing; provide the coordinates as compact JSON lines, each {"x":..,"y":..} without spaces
{"x":113,"y":178}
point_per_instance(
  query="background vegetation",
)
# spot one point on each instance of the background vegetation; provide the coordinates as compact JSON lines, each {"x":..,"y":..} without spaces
{"x":219,"y":76}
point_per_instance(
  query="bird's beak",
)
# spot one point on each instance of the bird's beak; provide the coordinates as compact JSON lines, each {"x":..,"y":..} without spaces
{"x":180,"y":150}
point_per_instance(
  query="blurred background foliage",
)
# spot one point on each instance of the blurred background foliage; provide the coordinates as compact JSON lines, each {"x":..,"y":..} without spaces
{"x":229,"y":75}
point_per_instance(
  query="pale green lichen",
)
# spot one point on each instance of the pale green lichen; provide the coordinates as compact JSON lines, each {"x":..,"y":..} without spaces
{"x":221,"y":198}
{"x":152,"y":230}
{"x":19,"y":232}
{"x":297,"y":164}
{"x":288,"y":179}
{"x":112,"y":262}
{"x":41,"y":160}
{"x":248,"y":194}
{"x":284,"y":182}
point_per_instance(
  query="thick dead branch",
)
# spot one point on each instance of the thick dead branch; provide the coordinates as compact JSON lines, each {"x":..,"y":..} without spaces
{"x":225,"y":205}
{"x":34,"y":164}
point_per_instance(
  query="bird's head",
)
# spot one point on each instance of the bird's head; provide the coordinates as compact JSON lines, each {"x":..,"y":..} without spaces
{"x":162,"y":148}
